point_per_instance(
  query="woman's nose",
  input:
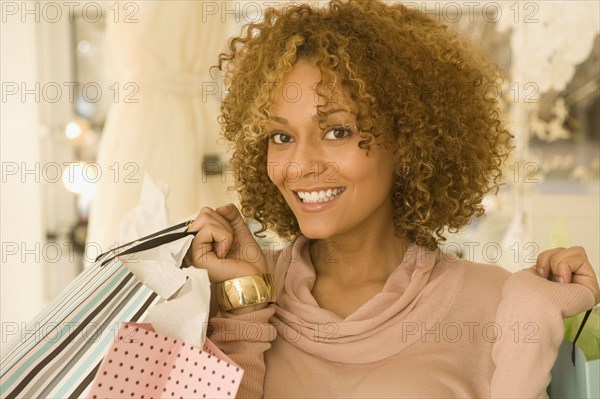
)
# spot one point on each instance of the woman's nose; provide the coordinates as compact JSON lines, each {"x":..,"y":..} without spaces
{"x":308,"y":163}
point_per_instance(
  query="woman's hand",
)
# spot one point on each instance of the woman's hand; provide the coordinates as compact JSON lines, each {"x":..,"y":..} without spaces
{"x":569,"y":265}
{"x":224,"y":246}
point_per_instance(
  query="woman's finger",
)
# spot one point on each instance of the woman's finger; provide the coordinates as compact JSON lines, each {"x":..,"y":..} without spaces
{"x":542,"y":265}
{"x":247,"y":249}
{"x":220,"y":269}
{"x":203,"y":243}
{"x":223,"y":245}
{"x":569,"y":265}
{"x":208,"y":216}
{"x":234,"y":217}
{"x":568,"y":261}
{"x":562,"y":270}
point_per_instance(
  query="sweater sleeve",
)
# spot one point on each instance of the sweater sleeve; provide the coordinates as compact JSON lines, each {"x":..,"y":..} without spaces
{"x":245,"y":338}
{"x":529,"y":326}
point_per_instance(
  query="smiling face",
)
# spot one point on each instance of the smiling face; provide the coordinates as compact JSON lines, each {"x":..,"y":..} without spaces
{"x":331,"y":185}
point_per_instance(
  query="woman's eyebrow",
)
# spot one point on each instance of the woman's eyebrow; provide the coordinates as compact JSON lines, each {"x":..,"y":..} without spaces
{"x":280,"y":120}
{"x":315,"y":117}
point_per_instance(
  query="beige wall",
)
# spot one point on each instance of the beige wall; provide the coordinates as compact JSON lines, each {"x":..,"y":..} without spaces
{"x":21,"y":272}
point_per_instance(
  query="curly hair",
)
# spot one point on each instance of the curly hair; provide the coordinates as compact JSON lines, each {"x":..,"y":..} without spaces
{"x":415,"y":84}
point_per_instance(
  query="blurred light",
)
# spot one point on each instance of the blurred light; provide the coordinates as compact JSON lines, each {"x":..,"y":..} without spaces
{"x":84,"y":200}
{"x":73,"y":130}
{"x":84,"y":108}
{"x":81,"y":177}
{"x":84,"y":46}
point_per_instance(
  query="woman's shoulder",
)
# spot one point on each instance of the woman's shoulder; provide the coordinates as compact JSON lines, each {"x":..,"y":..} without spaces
{"x":486,"y":271}
{"x":478,"y":276}
{"x":479,"y":289}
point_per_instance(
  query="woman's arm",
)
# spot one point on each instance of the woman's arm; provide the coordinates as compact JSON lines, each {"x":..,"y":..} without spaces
{"x":530,"y":320}
{"x":244,"y":338}
{"x":224,"y":246}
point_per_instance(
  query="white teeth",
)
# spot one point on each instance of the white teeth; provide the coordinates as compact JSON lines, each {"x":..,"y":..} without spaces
{"x":320,"y":196}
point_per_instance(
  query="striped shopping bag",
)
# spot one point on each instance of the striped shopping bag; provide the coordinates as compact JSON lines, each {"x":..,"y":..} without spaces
{"x":58,"y":354}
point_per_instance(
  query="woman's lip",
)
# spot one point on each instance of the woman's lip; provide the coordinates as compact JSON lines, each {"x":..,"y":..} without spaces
{"x":310,"y":190}
{"x":316,"y":206}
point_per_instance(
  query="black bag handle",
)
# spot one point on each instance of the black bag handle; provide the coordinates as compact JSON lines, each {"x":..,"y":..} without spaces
{"x":148,"y":242}
{"x":587,"y":314}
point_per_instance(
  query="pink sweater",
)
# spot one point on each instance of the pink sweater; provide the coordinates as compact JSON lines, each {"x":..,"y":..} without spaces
{"x":441,"y":327}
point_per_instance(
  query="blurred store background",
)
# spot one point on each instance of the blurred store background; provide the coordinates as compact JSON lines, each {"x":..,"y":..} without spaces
{"x":95,"y":94}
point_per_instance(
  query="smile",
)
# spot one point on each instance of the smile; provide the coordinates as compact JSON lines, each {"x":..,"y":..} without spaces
{"x":312,"y":197}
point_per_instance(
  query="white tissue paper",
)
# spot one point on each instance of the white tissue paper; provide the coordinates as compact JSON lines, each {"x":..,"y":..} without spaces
{"x":184,"y":314}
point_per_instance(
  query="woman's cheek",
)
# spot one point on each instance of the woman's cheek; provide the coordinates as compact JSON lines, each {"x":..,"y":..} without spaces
{"x":354,"y":167}
{"x":274,"y":171}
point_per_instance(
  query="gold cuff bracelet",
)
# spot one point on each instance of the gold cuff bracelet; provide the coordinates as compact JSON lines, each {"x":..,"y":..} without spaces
{"x":245,"y":291}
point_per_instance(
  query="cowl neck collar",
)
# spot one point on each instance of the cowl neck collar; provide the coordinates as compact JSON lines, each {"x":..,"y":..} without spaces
{"x":410,"y":295}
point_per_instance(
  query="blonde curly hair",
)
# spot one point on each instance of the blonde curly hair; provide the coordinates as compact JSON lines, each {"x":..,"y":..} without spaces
{"x":414,"y":82}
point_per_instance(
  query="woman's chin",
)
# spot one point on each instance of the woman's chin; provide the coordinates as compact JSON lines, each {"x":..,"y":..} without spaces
{"x":319,"y":232}
{"x":316,"y":232}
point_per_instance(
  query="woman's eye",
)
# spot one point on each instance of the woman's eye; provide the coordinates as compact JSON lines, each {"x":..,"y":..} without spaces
{"x":281,"y":138}
{"x":337,"y":133}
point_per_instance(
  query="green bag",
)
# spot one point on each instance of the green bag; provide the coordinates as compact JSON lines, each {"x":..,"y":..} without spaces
{"x":581,"y":380}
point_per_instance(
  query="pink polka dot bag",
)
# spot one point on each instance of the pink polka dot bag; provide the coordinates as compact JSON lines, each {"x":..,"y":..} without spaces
{"x":143,"y":364}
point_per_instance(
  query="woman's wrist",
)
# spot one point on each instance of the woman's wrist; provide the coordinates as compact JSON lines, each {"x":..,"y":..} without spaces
{"x":248,"y":309}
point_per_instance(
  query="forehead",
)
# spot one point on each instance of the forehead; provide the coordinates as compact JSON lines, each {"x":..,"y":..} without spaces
{"x":302,"y":88}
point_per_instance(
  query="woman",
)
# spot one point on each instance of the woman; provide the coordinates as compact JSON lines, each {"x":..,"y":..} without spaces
{"x":361,"y":132}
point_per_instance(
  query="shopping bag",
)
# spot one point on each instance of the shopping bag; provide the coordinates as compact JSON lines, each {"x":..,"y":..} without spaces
{"x":579,"y":381}
{"x":144,"y":364}
{"x":57,"y":354}
{"x":578,"y":376}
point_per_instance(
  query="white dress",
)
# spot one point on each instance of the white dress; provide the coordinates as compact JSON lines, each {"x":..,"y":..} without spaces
{"x":168,"y":122}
